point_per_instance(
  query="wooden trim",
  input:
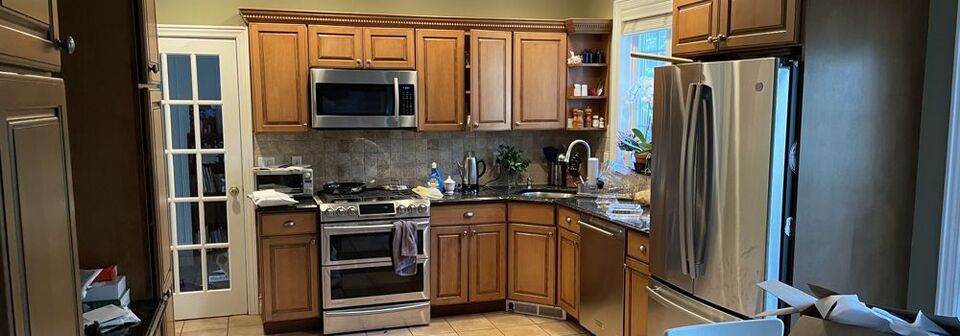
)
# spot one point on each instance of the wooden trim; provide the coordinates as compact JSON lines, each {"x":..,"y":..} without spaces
{"x":262,"y":15}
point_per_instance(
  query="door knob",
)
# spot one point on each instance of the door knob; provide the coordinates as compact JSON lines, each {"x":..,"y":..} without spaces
{"x":67,"y":44}
{"x":234,"y":191}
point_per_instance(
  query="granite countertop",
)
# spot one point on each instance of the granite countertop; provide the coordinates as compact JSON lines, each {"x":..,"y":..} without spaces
{"x":582,"y":204}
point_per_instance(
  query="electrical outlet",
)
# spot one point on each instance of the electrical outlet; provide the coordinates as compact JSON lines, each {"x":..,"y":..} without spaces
{"x":296,"y":160}
{"x":266,"y":161}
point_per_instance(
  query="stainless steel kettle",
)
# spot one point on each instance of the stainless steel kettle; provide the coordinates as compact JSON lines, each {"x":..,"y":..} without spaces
{"x":469,"y":173}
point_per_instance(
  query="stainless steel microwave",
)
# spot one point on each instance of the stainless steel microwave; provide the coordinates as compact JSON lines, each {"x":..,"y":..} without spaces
{"x":363,"y":98}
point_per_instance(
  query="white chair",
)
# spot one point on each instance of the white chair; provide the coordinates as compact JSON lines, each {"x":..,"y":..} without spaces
{"x":765,"y":327}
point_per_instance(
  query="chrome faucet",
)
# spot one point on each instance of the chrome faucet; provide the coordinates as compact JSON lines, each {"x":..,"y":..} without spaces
{"x":570,"y":148}
{"x":592,"y":162}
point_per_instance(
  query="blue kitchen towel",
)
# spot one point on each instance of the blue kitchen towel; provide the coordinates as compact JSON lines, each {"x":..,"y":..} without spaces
{"x":405,"y":248}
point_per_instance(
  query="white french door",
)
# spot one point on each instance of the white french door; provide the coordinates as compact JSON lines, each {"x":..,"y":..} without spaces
{"x":204,"y":172}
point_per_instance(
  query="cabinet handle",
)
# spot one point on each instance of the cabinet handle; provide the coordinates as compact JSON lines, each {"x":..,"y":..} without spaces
{"x":721,"y":37}
{"x":569,"y":220}
{"x":476,"y":124}
{"x":468,"y":214}
{"x":550,"y":234}
{"x":711,"y":39}
{"x":517,"y":123}
{"x":643,"y":249}
{"x":67,"y":44}
{"x":313,"y":242}
{"x":154,"y":68}
{"x":289,"y":224}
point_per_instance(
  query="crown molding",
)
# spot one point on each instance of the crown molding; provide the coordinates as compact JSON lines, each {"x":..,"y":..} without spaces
{"x":259,"y":15}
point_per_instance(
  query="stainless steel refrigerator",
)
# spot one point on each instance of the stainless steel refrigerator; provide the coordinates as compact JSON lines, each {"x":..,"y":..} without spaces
{"x":721,"y":189}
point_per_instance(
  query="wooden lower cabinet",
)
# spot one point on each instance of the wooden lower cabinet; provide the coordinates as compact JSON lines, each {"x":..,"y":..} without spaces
{"x":290,"y":271}
{"x":468,"y":263}
{"x":533,"y":263}
{"x":568,"y":274}
{"x":635,"y":307}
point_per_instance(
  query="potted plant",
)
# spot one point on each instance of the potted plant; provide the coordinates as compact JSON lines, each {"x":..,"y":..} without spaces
{"x":511,"y":163}
{"x":635,"y":142}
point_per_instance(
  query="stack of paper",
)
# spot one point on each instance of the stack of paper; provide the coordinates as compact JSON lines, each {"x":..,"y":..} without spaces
{"x":110,"y":317}
{"x":113,"y":291}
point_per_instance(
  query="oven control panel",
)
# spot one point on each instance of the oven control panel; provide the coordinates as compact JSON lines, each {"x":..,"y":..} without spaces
{"x":338,"y":212}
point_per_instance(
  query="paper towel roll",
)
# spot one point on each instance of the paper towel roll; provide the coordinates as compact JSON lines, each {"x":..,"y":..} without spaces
{"x":593,"y":168}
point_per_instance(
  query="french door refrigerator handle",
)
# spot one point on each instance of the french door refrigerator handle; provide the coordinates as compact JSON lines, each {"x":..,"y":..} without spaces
{"x":687,"y":165}
{"x":704,"y":188}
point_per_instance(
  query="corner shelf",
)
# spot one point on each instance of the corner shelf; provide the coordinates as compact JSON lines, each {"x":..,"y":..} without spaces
{"x":587,"y":65}
{"x":588,"y":129}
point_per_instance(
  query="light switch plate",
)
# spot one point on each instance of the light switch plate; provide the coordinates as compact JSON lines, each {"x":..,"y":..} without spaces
{"x":266,"y":161}
{"x":296,"y":160}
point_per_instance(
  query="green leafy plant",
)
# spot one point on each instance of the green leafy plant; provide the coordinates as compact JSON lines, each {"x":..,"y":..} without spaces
{"x":634,"y":142}
{"x":511,"y":161}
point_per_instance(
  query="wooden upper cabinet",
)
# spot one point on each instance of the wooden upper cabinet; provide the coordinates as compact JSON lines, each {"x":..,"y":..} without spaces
{"x":490,"y":80}
{"x":388,"y":48}
{"x":290,"y":267}
{"x":28,"y":31}
{"x":568,"y":285}
{"x":539,"y":80}
{"x":336,"y":47}
{"x":707,"y":26}
{"x":757,"y":23}
{"x":449,"y":251}
{"x":278,"y":67}
{"x":149,"y":50}
{"x":440,"y":73}
{"x":694,"y":26}
{"x":488,"y":262}
{"x":532,"y":276}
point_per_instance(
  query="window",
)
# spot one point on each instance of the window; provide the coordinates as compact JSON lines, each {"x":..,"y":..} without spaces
{"x":635,"y":78}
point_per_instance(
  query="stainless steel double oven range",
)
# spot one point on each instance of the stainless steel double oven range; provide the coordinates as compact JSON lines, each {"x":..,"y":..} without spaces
{"x":360,"y":289}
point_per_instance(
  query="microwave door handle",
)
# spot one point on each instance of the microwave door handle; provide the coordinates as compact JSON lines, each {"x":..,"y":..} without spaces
{"x":396,"y":100}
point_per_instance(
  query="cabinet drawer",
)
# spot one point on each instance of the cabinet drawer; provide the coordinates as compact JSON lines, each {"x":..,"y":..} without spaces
{"x":531,"y":213}
{"x":481,"y":213}
{"x":281,"y":224}
{"x":638,"y":246}
{"x":568,"y":219}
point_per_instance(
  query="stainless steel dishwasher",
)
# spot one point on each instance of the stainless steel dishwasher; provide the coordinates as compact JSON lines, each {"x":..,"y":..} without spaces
{"x":602,"y":250}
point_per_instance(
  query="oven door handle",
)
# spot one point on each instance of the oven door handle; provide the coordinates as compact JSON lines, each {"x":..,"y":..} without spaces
{"x":396,"y":100}
{"x":420,"y":226}
{"x":365,"y":311}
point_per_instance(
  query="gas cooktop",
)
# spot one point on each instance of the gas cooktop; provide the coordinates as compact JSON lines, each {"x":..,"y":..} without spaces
{"x":372,"y":204}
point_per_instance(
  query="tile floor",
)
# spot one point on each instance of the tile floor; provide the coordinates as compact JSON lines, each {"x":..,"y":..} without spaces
{"x":489,"y":324}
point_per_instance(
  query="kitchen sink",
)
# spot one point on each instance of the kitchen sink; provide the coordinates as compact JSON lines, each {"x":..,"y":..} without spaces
{"x":547,"y":194}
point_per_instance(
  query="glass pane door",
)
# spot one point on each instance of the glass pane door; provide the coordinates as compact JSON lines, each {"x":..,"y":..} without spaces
{"x":200,"y":104}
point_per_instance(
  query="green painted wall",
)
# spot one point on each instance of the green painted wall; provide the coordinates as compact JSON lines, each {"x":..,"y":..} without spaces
{"x":224,"y":12}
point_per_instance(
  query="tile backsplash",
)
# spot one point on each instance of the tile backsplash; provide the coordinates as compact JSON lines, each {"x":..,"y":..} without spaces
{"x":389,"y":155}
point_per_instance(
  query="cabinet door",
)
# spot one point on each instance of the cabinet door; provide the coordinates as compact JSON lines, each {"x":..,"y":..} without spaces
{"x":440,"y":72}
{"x":38,"y":221}
{"x":693,"y":22}
{"x":388,"y":48}
{"x":488,"y":262}
{"x":28,"y":29}
{"x":568,"y":291}
{"x":539,"y":80}
{"x":290,"y":271}
{"x":491,"y":84}
{"x":336,"y":47}
{"x":156,"y":159}
{"x":533,"y":263}
{"x":758,"y":23}
{"x":448,"y":265}
{"x":635,"y":312}
{"x":149,"y":67}
{"x":278,"y":67}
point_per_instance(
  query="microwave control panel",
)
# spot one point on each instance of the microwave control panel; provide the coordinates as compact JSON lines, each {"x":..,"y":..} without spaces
{"x":407,"y":100}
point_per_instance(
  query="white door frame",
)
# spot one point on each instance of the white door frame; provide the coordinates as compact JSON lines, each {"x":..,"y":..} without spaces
{"x":948,"y":282}
{"x":239,"y":36}
{"x":625,"y":11}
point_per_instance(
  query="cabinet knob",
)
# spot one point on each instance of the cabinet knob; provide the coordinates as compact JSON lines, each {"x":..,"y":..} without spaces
{"x":67,"y":44}
{"x":721,"y":37}
{"x":465,"y":233}
{"x":711,"y":39}
{"x":289,"y":224}
{"x":359,"y":61}
{"x":313,"y":242}
{"x":473,"y":231}
{"x":517,"y":123}
{"x":643,"y":248}
{"x":476,"y":124}
{"x":154,"y":68}
{"x":468,"y":214}
{"x":369,"y":61}
{"x":569,"y":220}
{"x":550,"y":234}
